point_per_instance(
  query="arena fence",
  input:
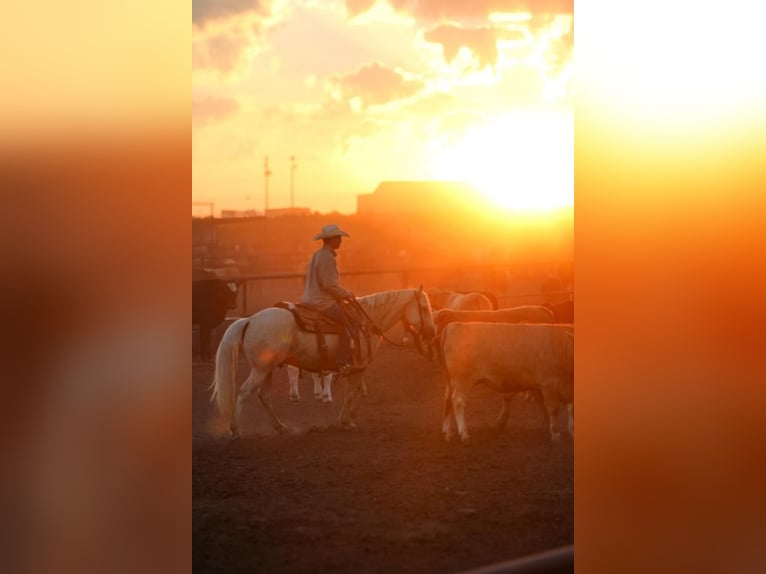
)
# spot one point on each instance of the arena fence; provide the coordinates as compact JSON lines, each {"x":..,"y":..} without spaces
{"x":511,"y":285}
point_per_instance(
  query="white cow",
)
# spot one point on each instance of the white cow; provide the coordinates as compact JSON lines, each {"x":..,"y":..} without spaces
{"x":322,"y":385}
{"x":520,"y":314}
{"x":508,"y":357}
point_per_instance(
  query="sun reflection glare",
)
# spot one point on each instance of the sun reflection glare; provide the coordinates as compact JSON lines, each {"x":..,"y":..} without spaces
{"x":520,"y":161}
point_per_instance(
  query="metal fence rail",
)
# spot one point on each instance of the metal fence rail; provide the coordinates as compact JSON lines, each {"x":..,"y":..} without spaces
{"x":511,"y":285}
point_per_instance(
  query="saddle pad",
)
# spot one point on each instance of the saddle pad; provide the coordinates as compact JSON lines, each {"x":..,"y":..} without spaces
{"x":310,"y":319}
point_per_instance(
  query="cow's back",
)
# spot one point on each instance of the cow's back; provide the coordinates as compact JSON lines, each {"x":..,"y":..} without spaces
{"x":524,"y":313}
{"x":504,"y":353}
{"x":563,"y":312}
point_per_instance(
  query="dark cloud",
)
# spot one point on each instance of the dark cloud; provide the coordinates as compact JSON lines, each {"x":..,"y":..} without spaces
{"x":481,"y":41}
{"x":224,"y":52}
{"x":375,"y":84}
{"x":434,"y":10}
{"x":210,"y":110}
{"x":204,"y":11}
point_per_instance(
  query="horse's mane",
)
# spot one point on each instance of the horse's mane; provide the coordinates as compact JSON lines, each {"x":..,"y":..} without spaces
{"x":381,"y":306}
{"x":383,"y":299}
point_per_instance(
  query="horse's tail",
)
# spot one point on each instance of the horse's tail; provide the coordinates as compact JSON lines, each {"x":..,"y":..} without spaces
{"x":224,"y":385}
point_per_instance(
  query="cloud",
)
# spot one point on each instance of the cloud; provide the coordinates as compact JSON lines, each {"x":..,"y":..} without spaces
{"x":226,"y":34}
{"x":212,"y":109}
{"x":356,"y":7}
{"x":374,"y":84}
{"x":225,"y":52}
{"x":435,"y":10}
{"x":205,"y":11}
{"x":481,"y":41}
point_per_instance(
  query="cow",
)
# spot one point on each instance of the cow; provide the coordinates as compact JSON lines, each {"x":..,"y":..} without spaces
{"x":211,"y":299}
{"x":444,"y":299}
{"x":557,"y":300}
{"x":563,"y":312}
{"x":521,"y":314}
{"x":508,"y":357}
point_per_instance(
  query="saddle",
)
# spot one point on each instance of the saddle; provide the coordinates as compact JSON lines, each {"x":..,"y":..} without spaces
{"x":312,"y":320}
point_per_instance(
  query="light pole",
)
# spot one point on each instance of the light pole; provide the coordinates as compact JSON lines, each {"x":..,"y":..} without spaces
{"x":266,"y":175}
{"x":293,"y":167}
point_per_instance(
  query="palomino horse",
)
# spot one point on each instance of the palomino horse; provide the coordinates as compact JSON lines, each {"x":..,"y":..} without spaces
{"x":322,"y":384}
{"x":271,"y":338}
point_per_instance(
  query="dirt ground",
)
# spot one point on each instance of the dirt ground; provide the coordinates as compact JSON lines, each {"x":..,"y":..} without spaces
{"x":390,"y":497}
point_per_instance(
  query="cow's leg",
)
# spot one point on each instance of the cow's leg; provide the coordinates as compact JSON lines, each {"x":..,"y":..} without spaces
{"x":502,"y":419}
{"x":325,"y":386}
{"x":293,"y":374}
{"x":204,"y":343}
{"x":264,"y":394}
{"x":353,"y":383}
{"x":570,"y":412}
{"x":458,"y":407}
{"x":244,"y":393}
{"x":449,"y":415}
{"x":552,"y":405}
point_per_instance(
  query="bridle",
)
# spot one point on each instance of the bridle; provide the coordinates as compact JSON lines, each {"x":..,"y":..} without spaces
{"x":407,"y":325}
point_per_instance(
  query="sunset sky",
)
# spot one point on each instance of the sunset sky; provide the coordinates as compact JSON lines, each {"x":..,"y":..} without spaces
{"x":362,"y":91}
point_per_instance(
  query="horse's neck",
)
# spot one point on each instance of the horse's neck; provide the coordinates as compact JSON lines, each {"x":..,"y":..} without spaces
{"x":386,"y":309}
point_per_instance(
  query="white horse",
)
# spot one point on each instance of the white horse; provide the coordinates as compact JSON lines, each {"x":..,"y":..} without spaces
{"x":271,"y":338}
{"x":322,"y":384}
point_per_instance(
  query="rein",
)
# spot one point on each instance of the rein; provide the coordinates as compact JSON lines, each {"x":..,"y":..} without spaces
{"x":376,"y":329}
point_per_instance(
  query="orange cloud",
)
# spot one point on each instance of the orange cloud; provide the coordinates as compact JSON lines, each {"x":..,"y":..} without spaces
{"x":374,"y":84}
{"x":434,"y":10}
{"x":210,"y":110}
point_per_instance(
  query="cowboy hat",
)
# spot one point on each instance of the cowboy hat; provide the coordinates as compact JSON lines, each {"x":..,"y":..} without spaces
{"x":330,"y":231}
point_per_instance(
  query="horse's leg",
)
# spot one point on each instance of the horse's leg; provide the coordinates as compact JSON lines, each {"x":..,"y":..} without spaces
{"x":244,"y":393}
{"x":349,"y":408}
{"x":264,"y":394}
{"x":293,"y":374}
{"x":317,"y":386}
{"x":570,"y":412}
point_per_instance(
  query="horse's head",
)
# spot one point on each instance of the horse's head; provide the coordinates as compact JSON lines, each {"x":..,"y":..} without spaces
{"x":418,"y":320}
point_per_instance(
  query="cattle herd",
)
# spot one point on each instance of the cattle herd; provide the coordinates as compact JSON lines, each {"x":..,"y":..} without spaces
{"x":525,"y":349}
{"x":395,"y":495}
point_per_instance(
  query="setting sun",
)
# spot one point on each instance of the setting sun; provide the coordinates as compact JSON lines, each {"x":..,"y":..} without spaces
{"x":523,"y":160}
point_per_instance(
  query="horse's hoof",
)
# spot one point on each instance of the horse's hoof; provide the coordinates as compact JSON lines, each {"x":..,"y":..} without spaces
{"x":317,"y":397}
{"x":284,"y":429}
{"x":555,"y":438}
{"x":294,"y":398}
{"x":350,"y":426}
{"x":465,"y":439}
{"x":326,"y":400}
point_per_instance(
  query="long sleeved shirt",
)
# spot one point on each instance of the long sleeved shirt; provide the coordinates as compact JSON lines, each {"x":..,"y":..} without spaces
{"x":322,"y":280}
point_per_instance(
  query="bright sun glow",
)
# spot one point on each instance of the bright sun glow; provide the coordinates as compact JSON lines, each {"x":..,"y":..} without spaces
{"x":520,"y":161}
